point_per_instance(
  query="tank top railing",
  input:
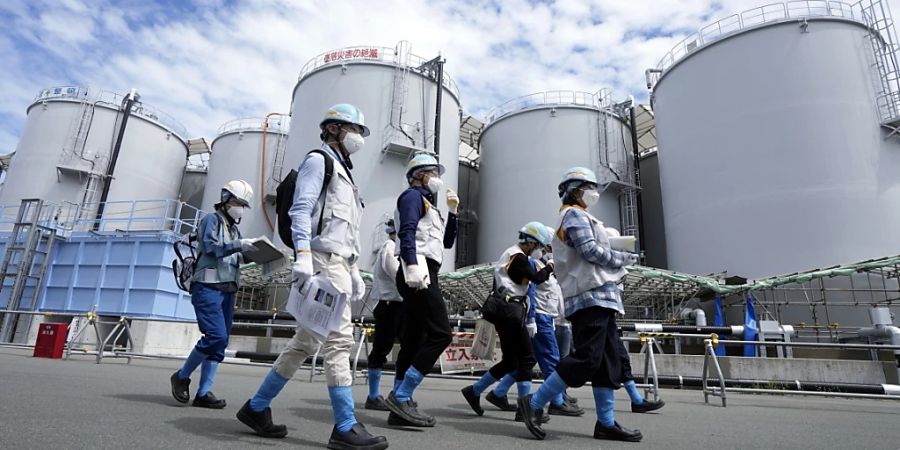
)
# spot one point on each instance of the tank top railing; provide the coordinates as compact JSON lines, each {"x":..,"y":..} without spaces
{"x":599,"y":99}
{"x":772,"y":13}
{"x":109,"y":98}
{"x":367,"y":53}
{"x":276,"y":125}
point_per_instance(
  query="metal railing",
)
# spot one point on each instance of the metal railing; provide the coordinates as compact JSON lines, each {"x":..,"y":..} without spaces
{"x":280,"y":124}
{"x":119,"y":216}
{"x":368,"y":53}
{"x":83,"y":93}
{"x":772,"y":13}
{"x":599,"y":99}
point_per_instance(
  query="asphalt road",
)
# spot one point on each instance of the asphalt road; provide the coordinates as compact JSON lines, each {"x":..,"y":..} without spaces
{"x":53,"y":404}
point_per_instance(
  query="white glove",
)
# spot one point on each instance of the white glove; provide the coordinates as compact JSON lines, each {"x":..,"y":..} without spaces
{"x":630,"y":259}
{"x":247,"y":245}
{"x":532,"y":329}
{"x":359,"y":286}
{"x":452,"y":201}
{"x":302,"y":268}
{"x":414,"y":276}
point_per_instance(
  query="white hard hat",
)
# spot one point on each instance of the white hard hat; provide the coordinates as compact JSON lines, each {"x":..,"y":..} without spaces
{"x":239,"y":190}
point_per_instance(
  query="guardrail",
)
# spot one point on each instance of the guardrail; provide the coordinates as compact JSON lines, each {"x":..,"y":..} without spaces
{"x":86,"y":94}
{"x":281,"y":124}
{"x":118,"y":216}
{"x":600,"y":99}
{"x":771,"y":13}
{"x":368,"y":53}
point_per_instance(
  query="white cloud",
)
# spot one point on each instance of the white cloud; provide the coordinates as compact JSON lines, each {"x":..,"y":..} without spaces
{"x":219,"y":60}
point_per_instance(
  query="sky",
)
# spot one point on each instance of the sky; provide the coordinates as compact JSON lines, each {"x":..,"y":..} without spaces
{"x":205,"y":62}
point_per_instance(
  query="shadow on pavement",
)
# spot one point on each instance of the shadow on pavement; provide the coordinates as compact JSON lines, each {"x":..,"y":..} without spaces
{"x":230,"y":430}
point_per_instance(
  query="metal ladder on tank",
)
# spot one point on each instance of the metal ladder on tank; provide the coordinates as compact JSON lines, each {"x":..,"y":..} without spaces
{"x":30,"y":238}
{"x":883,"y":39}
{"x":277,"y":164}
{"x":78,"y":132}
{"x":629,"y":211}
{"x":398,"y":96}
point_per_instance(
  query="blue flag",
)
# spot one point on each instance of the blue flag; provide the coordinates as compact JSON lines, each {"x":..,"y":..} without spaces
{"x":719,"y":321}
{"x":751,"y":330}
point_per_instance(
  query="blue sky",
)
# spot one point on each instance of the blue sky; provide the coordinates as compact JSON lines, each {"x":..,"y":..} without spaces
{"x":208,"y":61}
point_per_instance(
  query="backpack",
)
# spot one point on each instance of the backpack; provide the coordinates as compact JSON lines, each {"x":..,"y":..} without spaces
{"x":284,"y":199}
{"x":185,"y":262}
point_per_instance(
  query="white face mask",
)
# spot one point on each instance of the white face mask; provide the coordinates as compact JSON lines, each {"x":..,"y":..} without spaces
{"x":435,"y":184}
{"x":236,"y":213}
{"x":590,"y":198}
{"x":537,"y":253}
{"x":352,"y":142}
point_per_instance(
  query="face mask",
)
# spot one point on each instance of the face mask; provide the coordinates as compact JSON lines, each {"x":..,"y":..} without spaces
{"x":236,"y":213}
{"x":435,"y":184}
{"x":537,"y":253}
{"x":352,"y":142}
{"x":590,"y":198}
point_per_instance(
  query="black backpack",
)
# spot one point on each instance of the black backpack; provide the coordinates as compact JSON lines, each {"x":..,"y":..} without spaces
{"x":284,"y":199}
{"x":185,"y":262}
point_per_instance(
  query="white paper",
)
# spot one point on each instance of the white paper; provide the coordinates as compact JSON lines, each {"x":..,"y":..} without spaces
{"x":623,"y":243}
{"x":423,"y":267}
{"x":319,"y":307}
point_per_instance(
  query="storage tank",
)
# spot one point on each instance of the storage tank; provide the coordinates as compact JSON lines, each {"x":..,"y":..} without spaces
{"x":772,"y":154}
{"x":237,"y":153}
{"x":526,"y":146}
{"x":66,"y":147}
{"x":396,"y":92}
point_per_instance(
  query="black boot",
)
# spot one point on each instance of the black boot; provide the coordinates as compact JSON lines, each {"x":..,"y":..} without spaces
{"x":500,"y":402}
{"x":532,"y":417}
{"x":210,"y":401}
{"x":569,"y":400}
{"x":180,"y":388}
{"x":566,"y":409}
{"x":543,"y":418}
{"x":474,"y":399}
{"x":357,"y":438}
{"x":376,"y":404}
{"x":647,"y":406}
{"x":408,"y":412}
{"x":261,"y":422}
{"x":617,"y":433}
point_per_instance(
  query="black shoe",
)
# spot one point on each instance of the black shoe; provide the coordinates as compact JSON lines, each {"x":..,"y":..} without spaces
{"x":647,"y":406}
{"x":357,"y":438}
{"x":474,"y":399}
{"x":261,"y":422}
{"x":544,"y":418}
{"x":376,"y":404}
{"x":569,"y":400}
{"x":180,"y":388}
{"x":566,"y":409}
{"x":408,"y":412}
{"x":532,"y":417}
{"x":209,"y":401}
{"x":617,"y":433}
{"x":500,"y":402}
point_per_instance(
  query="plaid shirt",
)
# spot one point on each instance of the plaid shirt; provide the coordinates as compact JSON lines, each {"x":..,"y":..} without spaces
{"x":580,"y":235}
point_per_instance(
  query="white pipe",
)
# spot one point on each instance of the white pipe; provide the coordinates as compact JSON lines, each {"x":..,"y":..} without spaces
{"x":884,"y":332}
{"x":700,"y":317}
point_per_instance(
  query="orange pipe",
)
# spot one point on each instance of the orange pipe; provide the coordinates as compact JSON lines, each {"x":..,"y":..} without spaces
{"x":262,"y":172}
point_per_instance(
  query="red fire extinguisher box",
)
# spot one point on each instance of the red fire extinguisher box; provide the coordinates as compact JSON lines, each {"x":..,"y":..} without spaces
{"x":51,"y":340}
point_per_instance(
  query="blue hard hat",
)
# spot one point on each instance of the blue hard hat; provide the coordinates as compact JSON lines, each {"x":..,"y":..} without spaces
{"x":576,"y":176}
{"x":537,"y":232}
{"x":345,"y":113}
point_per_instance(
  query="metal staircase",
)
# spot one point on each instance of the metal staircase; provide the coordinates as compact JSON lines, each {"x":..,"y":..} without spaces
{"x":391,"y":137}
{"x":883,"y":39}
{"x":25,"y":262}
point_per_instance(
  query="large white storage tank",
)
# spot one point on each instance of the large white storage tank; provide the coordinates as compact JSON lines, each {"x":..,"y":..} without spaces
{"x":527,"y":145}
{"x":396,"y":92}
{"x":237,"y":153}
{"x":66,"y":146}
{"x":772,"y":155}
